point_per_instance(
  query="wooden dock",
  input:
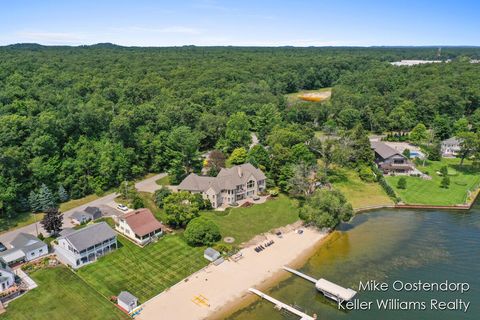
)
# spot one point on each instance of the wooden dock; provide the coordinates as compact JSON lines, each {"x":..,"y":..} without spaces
{"x":280,"y":305}
{"x":329,"y":289}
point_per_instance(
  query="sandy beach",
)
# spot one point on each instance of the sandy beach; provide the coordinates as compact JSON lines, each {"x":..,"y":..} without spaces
{"x":226,"y":285}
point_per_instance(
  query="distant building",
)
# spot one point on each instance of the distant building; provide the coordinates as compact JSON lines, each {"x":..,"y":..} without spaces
{"x":89,"y":214}
{"x":86,"y":245}
{"x":140,"y":226}
{"x":390,"y":160}
{"x":410,"y":63}
{"x":127,"y":301}
{"x":25,"y":247}
{"x":229,"y":186}
{"x":7,"y":277}
{"x":451,"y":147}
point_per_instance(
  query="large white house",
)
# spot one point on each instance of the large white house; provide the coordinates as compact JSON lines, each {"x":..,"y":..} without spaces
{"x":7,"y":277}
{"x":140,"y":226}
{"x":229,"y":186}
{"x":85,"y":245}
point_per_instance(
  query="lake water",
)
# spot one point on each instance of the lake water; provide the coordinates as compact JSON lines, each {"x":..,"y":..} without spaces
{"x":388,"y":245}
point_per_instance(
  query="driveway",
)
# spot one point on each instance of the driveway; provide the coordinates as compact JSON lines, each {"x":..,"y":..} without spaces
{"x":106,"y":204}
{"x":149,"y":185}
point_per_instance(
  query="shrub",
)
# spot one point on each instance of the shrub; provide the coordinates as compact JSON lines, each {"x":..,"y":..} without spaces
{"x":366,"y":174}
{"x":201,"y":231}
{"x":402,"y":183}
{"x":161,"y":194}
{"x":445,"y":182}
{"x":273,"y":192}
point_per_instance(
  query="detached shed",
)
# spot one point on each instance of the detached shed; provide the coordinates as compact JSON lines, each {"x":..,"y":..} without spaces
{"x":211,"y":254}
{"x":127,"y":301}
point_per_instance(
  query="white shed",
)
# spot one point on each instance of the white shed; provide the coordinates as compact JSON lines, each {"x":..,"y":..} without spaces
{"x":127,"y":301}
{"x":211,"y":254}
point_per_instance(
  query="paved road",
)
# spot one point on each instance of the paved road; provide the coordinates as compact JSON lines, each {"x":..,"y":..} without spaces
{"x":147,"y":185}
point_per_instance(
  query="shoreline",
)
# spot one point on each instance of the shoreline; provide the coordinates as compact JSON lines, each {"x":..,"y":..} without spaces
{"x":218,"y":291}
{"x":231,"y":308}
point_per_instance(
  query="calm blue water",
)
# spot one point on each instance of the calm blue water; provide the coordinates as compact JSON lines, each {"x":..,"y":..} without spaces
{"x":388,"y":245}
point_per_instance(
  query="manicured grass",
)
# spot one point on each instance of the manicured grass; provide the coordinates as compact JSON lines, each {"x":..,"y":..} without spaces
{"x":165,"y":181}
{"x":420,"y":191}
{"x":144,"y":272}
{"x":149,"y":203}
{"x":61,"y":295}
{"x":20,"y":219}
{"x":245,"y":223}
{"x":78,"y":202}
{"x":359,"y":193}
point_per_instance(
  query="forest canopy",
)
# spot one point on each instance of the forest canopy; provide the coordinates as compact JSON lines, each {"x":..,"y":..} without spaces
{"x":84,"y":119}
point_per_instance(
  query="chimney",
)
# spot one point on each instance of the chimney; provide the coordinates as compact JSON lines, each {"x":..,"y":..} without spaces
{"x":239,"y":170}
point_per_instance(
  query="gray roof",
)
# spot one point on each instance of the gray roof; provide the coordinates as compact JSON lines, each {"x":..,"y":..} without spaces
{"x":384,"y":150}
{"x":210,"y":252}
{"x":452,"y":140}
{"x":226,"y":179}
{"x":92,"y":213}
{"x":89,"y":236}
{"x":27,"y":242}
{"x":127,"y":297}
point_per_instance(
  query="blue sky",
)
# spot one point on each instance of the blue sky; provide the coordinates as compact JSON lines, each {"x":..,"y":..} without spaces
{"x":242,"y":22}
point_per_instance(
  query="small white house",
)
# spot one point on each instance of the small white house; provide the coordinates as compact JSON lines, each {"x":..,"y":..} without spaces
{"x":451,"y":147}
{"x":211,"y":254}
{"x":127,"y":301}
{"x":7,"y":277}
{"x":140,"y":226}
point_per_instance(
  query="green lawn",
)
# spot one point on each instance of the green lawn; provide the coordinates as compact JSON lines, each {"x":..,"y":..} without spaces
{"x":245,"y":223}
{"x":420,"y":191}
{"x":359,"y":193}
{"x":21,"y":219}
{"x":165,"y":181}
{"x":61,"y":295}
{"x":144,"y":272}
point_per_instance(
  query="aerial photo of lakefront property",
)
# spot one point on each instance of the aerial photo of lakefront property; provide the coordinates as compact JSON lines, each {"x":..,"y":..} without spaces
{"x":239,"y":160}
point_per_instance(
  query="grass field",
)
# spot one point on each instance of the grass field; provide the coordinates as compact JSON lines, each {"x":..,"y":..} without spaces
{"x":144,"y":272}
{"x":420,"y":191}
{"x":165,"y":181}
{"x":296,"y":96}
{"x":359,"y":193}
{"x":245,"y":223}
{"x":20,"y":220}
{"x":61,"y":295}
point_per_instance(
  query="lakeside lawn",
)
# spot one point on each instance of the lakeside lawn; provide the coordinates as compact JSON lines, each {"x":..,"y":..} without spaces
{"x":61,"y":295}
{"x":359,"y":193}
{"x":245,"y":223}
{"x":420,"y":191}
{"x":144,"y":272}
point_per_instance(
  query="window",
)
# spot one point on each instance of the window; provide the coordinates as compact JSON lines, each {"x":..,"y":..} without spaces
{"x":41,"y":250}
{"x":251,"y":184}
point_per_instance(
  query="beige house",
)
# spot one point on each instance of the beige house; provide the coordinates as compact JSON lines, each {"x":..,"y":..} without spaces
{"x":140,"y":226}
{"x":229,"y":186}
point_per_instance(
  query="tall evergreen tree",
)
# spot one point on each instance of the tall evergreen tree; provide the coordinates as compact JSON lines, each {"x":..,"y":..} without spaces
{"x":62,"y":194}
{"x":46,"y":199}
{"x":34,"y":202}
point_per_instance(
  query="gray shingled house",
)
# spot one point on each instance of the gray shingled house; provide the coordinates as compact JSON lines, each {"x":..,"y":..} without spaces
{"x":88,"y":214}
{"x":85,"y":245}
{"x":25,"y":247}
{"x":390,"y":160}
{"x":229,"y":186}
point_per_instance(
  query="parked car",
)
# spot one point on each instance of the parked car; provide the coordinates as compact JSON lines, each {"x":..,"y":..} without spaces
{"x":122,"y":207}
{"x":2,"y":247}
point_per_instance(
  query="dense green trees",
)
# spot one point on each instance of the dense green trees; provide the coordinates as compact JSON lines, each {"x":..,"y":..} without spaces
{"x":181,"y":207}
{"x":89,"y":118}
{"x":326,"y":209}
{"x":201,"y":231}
